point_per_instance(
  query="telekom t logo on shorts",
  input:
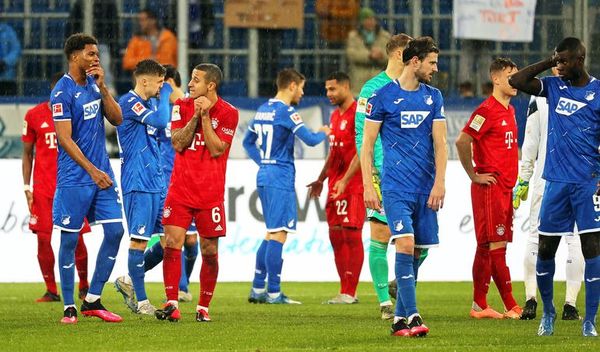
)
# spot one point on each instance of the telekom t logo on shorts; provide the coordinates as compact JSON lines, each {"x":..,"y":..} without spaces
{"x":508,"y":139}
{"x":51,"y":140}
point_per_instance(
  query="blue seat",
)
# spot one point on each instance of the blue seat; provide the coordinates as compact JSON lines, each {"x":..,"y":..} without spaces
{"x":236,"y":88}
{"x":55,"y":29}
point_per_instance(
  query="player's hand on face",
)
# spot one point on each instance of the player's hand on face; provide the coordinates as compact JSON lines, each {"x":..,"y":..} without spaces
{"x":315,"y":188}
{"x":101,"y":179}
{"x":29,"y":197}
{"x":436,"y":197}
{"x":484,"y":179}
{"x":325,"y":129}
{"x":371,"y":198}
{"x":338,"y":188}
{"x":97,"y":72}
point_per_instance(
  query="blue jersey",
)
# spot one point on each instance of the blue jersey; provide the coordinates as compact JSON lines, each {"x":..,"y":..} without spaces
{"x":273,"y":130}
{"x":572,"y":154}
{"x":406,"y":119}
{"x":82,"y":105}
{"x":141,"y":168}
{"x":167,"y":152}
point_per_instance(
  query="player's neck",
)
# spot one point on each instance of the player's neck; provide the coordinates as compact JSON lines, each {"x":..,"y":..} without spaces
{"x":502,"y":98}
{"x":140,"y":92}
{"x":77,"y":75}
{"x":394,"y":69}
{"x":345,"y":105}
{"x":408,"y":81}
{"x":582,"y":80}
{"x":286,"y":98}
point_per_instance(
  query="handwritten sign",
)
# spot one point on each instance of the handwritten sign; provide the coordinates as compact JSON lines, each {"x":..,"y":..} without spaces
{"x":274,"y":14}
{"x":497,"y":20}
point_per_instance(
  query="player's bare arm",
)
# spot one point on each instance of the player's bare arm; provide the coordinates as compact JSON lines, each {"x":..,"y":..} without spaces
{"x":438,"y":192}
{"x":465,"y":154}
{"x":214,"y":144}
{"x":340,"y":185}
{"x":112,"y":110}
{"x":64,"y":135}
{"x":27,"y":166}
{"x":182,"y":138}
{"x":316,"y":187}
{"x":525,"y":79}
{"x":370,"y":132}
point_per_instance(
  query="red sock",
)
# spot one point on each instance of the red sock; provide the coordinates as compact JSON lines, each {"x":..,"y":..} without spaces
{"x":172,"y":272}
{"x":208,"y":278}
{"x":482,"y":271}
{"x":46,"y":260}
{"x":340,"y":255}
{"x":356,"y":256}
{"x":81,"y":262}
{"x":501,"y":275}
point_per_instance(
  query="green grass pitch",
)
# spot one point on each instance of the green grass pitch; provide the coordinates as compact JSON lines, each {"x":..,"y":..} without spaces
{"x":240,"y":326}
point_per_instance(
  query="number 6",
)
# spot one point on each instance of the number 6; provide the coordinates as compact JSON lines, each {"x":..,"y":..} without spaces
{"x":216,"y":216}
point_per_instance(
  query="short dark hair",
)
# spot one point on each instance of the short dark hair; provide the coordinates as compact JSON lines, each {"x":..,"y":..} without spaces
{"x":419,"y":47}
{"x":397,"y":41}
{"x":501,"y":63}
{"x":150,"y":13}
{"x":338,"y":76}
{"x":173,"y":73}
{"x":149,"y":67}
{"x":55,"y":78}
{"x":288,"y":76}
{"x":572,"y":45}
{"x":77,"y":42}
{"x":212,"y":73}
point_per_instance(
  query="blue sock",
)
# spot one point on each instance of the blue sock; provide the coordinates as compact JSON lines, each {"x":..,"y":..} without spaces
{"x":153,"y":256}
{"x":274,"y":263}
{"x":405,"y":278}
{"x":260,"y":271}
{"x":66,"y":265}
{"x":107,"y":256}
{"x":400,"y":310}
{"x":188,"y":259}
{"x":416,"y":265}
{"x":546,"y":283}
{"x":592,"y":288}
{"x":135,"y":262}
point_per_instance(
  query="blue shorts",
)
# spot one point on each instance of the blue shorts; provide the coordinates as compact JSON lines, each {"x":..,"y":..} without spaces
{"x":72,"y":204}
{"x":279,"y":209}
{"x":143,"y":211}
{"x":567,"y":204}
{"x":408,"y":215}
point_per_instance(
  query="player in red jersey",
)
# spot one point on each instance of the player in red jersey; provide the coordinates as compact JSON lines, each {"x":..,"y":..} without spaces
{"x":492,"y":133}
{"x":345,"y":206}
{"x":39,"y":135}
{"x":202,"y":129}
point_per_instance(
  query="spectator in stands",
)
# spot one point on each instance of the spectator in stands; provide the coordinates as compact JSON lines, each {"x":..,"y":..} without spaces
{"x":10,"y":52}
{"x":152,"y":42}
{"x":465,"y":90}
{"x":474,"y":59}
{"x":487,"y":89}
{"x":365,"y":49}
{"x":201,"y":21}
{"x":105,"y":28}
{"x":336,"y":18}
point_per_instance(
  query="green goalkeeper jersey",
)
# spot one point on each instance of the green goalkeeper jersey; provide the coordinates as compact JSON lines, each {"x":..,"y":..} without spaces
{"x":367,"y":90}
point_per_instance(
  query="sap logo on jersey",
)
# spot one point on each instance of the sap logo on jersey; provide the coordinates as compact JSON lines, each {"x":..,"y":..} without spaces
{"x":412,"y":119}
{"x":90,"y":110}
{"x":568,"y":107}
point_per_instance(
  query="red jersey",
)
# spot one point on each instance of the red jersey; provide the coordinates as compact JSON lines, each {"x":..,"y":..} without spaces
{"x":495,"y":150}
{"x":342,"y":148}
{"x":198,"y":179}
{"x":38,"y":128}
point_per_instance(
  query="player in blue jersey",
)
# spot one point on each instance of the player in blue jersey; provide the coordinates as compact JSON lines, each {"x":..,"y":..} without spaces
{"x":409,"y":115}
{"x":142,"y":178}
{"x":85,"y":182}
{"x":571,"y":171}
{"x":270,"y":143}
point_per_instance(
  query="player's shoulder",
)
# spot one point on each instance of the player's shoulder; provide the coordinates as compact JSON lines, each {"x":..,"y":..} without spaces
{"x":63,"y":87}
{"x":432,"y":90}
{"x":373,"y":84}
{"x":128,"y":99}
{"x":38,"y":111}
{"x":184,"y":101}
{"x":227,"y":106}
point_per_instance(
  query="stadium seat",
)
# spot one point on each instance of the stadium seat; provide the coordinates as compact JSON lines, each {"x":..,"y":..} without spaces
{"x":55,"y":29}
{"x":234,"y":89}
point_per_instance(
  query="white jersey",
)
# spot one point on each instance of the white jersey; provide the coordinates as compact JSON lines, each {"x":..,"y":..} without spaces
{"x":533,"y":151}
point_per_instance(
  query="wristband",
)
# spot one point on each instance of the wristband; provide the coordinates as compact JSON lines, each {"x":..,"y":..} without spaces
{"x":26,"y":188}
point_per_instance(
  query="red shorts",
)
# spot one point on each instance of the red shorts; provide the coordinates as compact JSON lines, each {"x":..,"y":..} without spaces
{"x":40,"y":219}
{"x":492,"y":213}
{"x":209,"y":222}
{"x":348,"y":210}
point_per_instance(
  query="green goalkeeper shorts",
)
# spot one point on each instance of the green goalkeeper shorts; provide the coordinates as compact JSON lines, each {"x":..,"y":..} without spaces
{"x":377,"y":215}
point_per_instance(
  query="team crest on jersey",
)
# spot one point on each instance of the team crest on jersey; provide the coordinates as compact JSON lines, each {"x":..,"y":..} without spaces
{"x":296,"y":118}
{"x":568,"y":107}
{"x":138,"y":108}
{"x":175,"y":116}
{"x":428,"y":99}
{"x":368,"y":109}
{"x":477,"y":122}
{"x":590,"y":95}
{"x":291,"y":223}
{"x":361,"y":106}
{"x":398,"y":226}
{"x":57,"y":109}
{"x":500,"y":230}
{"x":167,"y":212}
{"x":66,"y":220}
{"x":141,"y":229}
{"x":33,"y":220}
{"x":214,"y":123}
{"x":90,"y":110}
{"x":343,"y":125}
{"x":24,"y":127}
{"x":412,"y":119}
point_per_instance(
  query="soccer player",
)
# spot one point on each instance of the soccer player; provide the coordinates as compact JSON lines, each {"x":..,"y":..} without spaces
{"x":571,"y":171}
{"x":409,"y":114}
{"x":203,"y":126}
{"x":380,"y":233}
{"x":489,"y":139}
{"x":142,"y":178}
{"x":533,"y":157}
{"x":85,"y":185}
{"x":39,"y":136}
{"x":269,"y":141}
{"x":345,"y":206}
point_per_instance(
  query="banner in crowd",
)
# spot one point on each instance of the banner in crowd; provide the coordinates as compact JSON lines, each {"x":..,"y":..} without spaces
{"x":496,"y":20}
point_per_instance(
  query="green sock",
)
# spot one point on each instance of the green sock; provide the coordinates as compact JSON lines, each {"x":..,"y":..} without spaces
{"x":378,"y":265}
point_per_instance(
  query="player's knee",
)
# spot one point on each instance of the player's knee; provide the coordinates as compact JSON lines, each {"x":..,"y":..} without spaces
{"x":379,"y":232}
{"x":68,"y":241}
{"x":113,"y":229}
{"x":209,"y":246}
{"x":191,"y":241}
{"x":590,"y":245}
{"x":138,"y":244}
{"x":547,"y":247}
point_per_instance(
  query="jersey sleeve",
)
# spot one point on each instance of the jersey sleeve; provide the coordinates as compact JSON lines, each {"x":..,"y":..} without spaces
{"x":359,"y":118}
{"x":226,"y":130}
{"x":545,"y":82}
{"x":292,"y":120}
{"x":438,"y":113}
{"x":60,"y":102}
{"x":142,"y":114}
{"x":478,"y":124}
{"x":375,"y":110}
{"x":28,"y":135}
{"x":177,"y":120}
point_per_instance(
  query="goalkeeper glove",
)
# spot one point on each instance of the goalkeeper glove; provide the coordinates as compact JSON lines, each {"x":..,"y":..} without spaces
{"x":520,"y":192}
